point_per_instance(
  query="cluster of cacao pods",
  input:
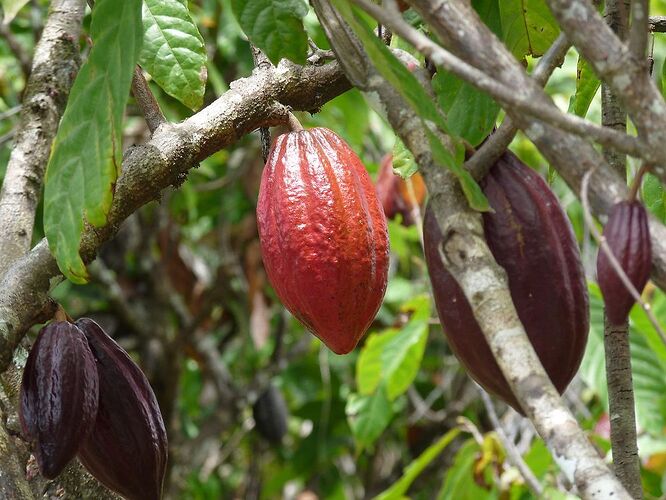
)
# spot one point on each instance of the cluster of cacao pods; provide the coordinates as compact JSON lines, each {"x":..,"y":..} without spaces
{"x":628,"y":237}
{"x":530,"y":236}
{"x":323,"y":234}
{"x":396,"y":195}
{"x":82,"y":394}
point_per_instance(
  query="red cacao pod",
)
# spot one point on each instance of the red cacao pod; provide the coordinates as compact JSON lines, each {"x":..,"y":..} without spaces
{"x":323,"y":234}
{"x":531,"y":238}
{"x":628,"y":237}
{"x":59,"y":395}
{"x":395,"y":195}
{"x":127,"y":449}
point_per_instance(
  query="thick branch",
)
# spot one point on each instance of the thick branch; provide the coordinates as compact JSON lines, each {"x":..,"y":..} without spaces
{"x":657,"y":24}
{"x":615,"y":64}
{"x":468,"y":258}
{"x":466,"y":35}
{"x":54,"y":67}
{"x":163,"y":161}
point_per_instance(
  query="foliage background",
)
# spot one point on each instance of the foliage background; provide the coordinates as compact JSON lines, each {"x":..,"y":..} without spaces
{"x":183,"y":289}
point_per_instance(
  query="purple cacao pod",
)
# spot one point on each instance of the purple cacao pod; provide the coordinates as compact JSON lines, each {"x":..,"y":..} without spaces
{"x":127,"y":449}
{"x":628,"y":236}
{"x":530,"y":236}
{"x":59,"y":395}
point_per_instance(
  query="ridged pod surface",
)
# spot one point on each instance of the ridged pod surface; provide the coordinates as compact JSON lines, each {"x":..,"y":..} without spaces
{"x":531,"y":238}
{"x":59,"y":395}
{"x":628,"y":236}
{"x":323,"y":234}
{"x":394,"y":193}
{"x":127,"y":450}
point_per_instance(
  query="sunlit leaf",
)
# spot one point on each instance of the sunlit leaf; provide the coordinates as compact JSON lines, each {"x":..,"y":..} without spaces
{"x":275,"y":26}
{"x":528,"y":26}
{"x":173,"y":50}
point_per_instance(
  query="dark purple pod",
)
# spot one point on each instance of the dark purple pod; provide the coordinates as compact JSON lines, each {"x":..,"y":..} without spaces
{"x":530,"y":236}
{"x":59,"y":395}
{"x":127,"y":450}
{"x":628,"y":236}
{"x":270,"y":414}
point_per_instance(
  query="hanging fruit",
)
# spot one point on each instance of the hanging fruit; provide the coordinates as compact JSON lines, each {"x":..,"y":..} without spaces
{"x":323,"y":234}
{"x":530,"y":236}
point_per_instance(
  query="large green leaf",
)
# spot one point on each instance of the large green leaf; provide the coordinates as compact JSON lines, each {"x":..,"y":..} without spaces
{"x":368,"y":416}
{"x":275,"y":26}
{"x":470,"y":113}
{"x":392,"y":358}
{"x":587,"y":85}
{"x":173,"y":50}
{"x":414,"y":469}
{"x":10,"y":8}
{"x":528,"y":27}
{"x":86,"y":155}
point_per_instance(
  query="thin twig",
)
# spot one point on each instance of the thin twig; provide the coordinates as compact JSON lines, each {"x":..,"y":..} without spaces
{"x":511,"y":451}
{"x":603,"y":245}
{"x":146,"y":100}
{"x":498,"y":141}
{"x":508,"y":96}
{"x":17,"y":49}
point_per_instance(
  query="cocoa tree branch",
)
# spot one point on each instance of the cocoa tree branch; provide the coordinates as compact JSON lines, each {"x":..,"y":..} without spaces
{"x":640,"y":21}
{"x":507,"y":95}
{"x":496,"y":144}
{"x":466,"y":35}
{"x":616,"y":337}
{"x":619,"y":67}
{"x":54,"y":67}
{"x":468,"y":258}
{"x":146,"y":100}
{"x":657,"y":24}
{"x":261,"y":99}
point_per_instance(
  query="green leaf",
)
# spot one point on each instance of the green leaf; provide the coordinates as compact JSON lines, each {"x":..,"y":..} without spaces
{"x":654,"y":196}
{"x":470,"y":113}
{"x":368,"y":416}
{"x":414,"y":469}
{"x":392,"y":358}
{"x":86,"y":154}
{"x":528,"y":27}
{"x":403,"y":160}
{"x":459,"y":480}
{"x":275,"y":26}
{"x":587,"y":85}
{"x":10,"y":8}
{"x":489,"y":12}
{"x":173,"y":51}
{"x":475,"y":197}
{"x":392,"y":69}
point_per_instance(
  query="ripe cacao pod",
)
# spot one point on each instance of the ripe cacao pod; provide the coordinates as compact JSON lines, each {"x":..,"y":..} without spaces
{"x":530,"y":236}
{"x":270,"y":414}
{"x":628,"y":237}
{"x":59,"y":395}
{"x":127,"y":449}
{"x":323,"y":234}
{"x":394,"y":193}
